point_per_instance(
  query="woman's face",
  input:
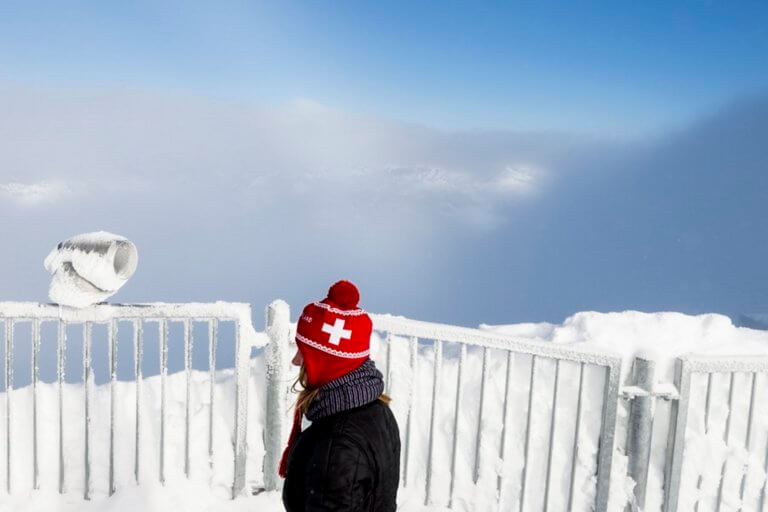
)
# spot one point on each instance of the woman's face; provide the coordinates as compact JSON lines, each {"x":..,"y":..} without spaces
{"x":297,"y":358}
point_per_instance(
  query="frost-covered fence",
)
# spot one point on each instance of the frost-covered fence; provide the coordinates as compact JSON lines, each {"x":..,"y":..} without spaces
{"x":718,"y":436}
{"x":499,"y":417}
{"x":491,"y":423}
{"x":486,"y":422}
{"x":43,"y":323}
{"x":701,"y":442}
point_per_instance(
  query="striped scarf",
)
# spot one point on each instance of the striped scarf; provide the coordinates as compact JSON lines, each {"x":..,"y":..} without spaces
{"x":357,"y":388}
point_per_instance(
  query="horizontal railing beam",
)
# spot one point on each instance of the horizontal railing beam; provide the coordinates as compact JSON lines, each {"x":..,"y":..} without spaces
{"x":725,"y":364}
{"x":401,"y":326}
{"x":106,"y":312}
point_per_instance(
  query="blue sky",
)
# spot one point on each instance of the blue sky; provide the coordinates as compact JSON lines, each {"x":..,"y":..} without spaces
{"x":462,"y":163}
{"x":620,"y":68}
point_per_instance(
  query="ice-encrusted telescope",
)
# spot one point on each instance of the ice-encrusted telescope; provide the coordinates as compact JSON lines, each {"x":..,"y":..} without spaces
{"x":89,"y":268}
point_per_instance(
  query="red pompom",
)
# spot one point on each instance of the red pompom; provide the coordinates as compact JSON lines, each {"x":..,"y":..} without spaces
{"x":344,"y":294}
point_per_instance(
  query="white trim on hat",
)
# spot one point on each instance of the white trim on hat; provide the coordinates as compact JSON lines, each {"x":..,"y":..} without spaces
{"x":342,"y":312}
{"x":329,"y":350}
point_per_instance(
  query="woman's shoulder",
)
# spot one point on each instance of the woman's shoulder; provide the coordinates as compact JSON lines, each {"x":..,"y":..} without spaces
{"x":368,"y":433}
{"x":361,"y":423}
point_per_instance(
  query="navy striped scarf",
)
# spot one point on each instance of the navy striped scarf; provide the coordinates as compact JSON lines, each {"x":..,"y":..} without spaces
{"x":357,"y":388}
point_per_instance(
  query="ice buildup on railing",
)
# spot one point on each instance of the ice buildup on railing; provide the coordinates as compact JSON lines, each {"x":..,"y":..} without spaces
{"x":89,"y":268}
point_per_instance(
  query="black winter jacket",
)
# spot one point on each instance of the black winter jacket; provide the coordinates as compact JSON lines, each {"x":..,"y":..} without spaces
{"x":345,"y":462}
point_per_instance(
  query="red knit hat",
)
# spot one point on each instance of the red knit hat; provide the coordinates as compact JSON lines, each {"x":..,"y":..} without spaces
{"x":334,"y":337}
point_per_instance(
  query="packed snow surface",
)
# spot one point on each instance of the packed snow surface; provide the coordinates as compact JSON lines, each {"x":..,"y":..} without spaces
{"x":658,"y":336}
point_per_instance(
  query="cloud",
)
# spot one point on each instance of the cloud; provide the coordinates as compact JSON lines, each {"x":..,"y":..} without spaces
{"x":516,"y":180}
{"x":241,"y":201}
{"x":508,"y":183}
{"x":139,"y":146}
{"x":33,"y":194}
{"x":207,"y":186}
{"x":676,"y":223}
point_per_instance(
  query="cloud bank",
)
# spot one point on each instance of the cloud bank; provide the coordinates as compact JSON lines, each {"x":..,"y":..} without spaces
{"x":245,"y":202}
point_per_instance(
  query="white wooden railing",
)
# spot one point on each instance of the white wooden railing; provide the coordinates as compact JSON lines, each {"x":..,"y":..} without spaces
{"x":134,"y":318}
{"x":516,"y":421}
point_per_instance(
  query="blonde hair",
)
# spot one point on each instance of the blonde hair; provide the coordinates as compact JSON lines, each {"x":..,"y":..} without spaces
{"x":308,"y":394}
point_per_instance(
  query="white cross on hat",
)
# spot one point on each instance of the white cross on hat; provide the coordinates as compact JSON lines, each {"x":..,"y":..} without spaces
{"x":337,"y":332}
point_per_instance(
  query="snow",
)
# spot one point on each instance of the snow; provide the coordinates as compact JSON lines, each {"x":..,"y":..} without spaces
{"x":182,"y":495}
{"x":658,"y":336}
{"x":208,"y":487}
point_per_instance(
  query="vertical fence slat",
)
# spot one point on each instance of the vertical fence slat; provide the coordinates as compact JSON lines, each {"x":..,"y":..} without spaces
{"x":607,"y":435}
{"x":388,"y":374}
{"x":457,"y":414}
{"x":552,"y":424}
{"x":163,"y":328}
{"x":726,"y":436}
{"x":112,"y":356}
{"x":576,"y":432}
{"x":438,"y":345}
{"x":277,"y":356}
{"x":504,"y":425}
{"x":764,"y":486}
{"x":87,"y":335}
{"x":676,"y":441}
{"x":188,"y":377}
{"x":213,"y":327}
{"x":707,"y":405}
{"x":35,"y":379}
{"x":527,"y":445}
{"x":8,"y":390}
{"x":61,"y":360}
{"x":242,"y":359}
{"x":138,"y":357}
{"x":748,"y":438}
{"x":483,"y":378}
{"x":413,"y":354}
{"x":640,"y":428}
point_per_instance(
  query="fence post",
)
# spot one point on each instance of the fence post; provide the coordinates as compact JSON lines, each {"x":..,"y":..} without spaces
{"x":640,"y":428}
{"x":678,"y":420}
{"x":277,"y":357}
{"x":607,"y":435}
{"x":242,"y":374}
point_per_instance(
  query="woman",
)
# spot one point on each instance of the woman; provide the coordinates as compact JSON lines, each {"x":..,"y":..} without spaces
{"x":349,"y":458}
